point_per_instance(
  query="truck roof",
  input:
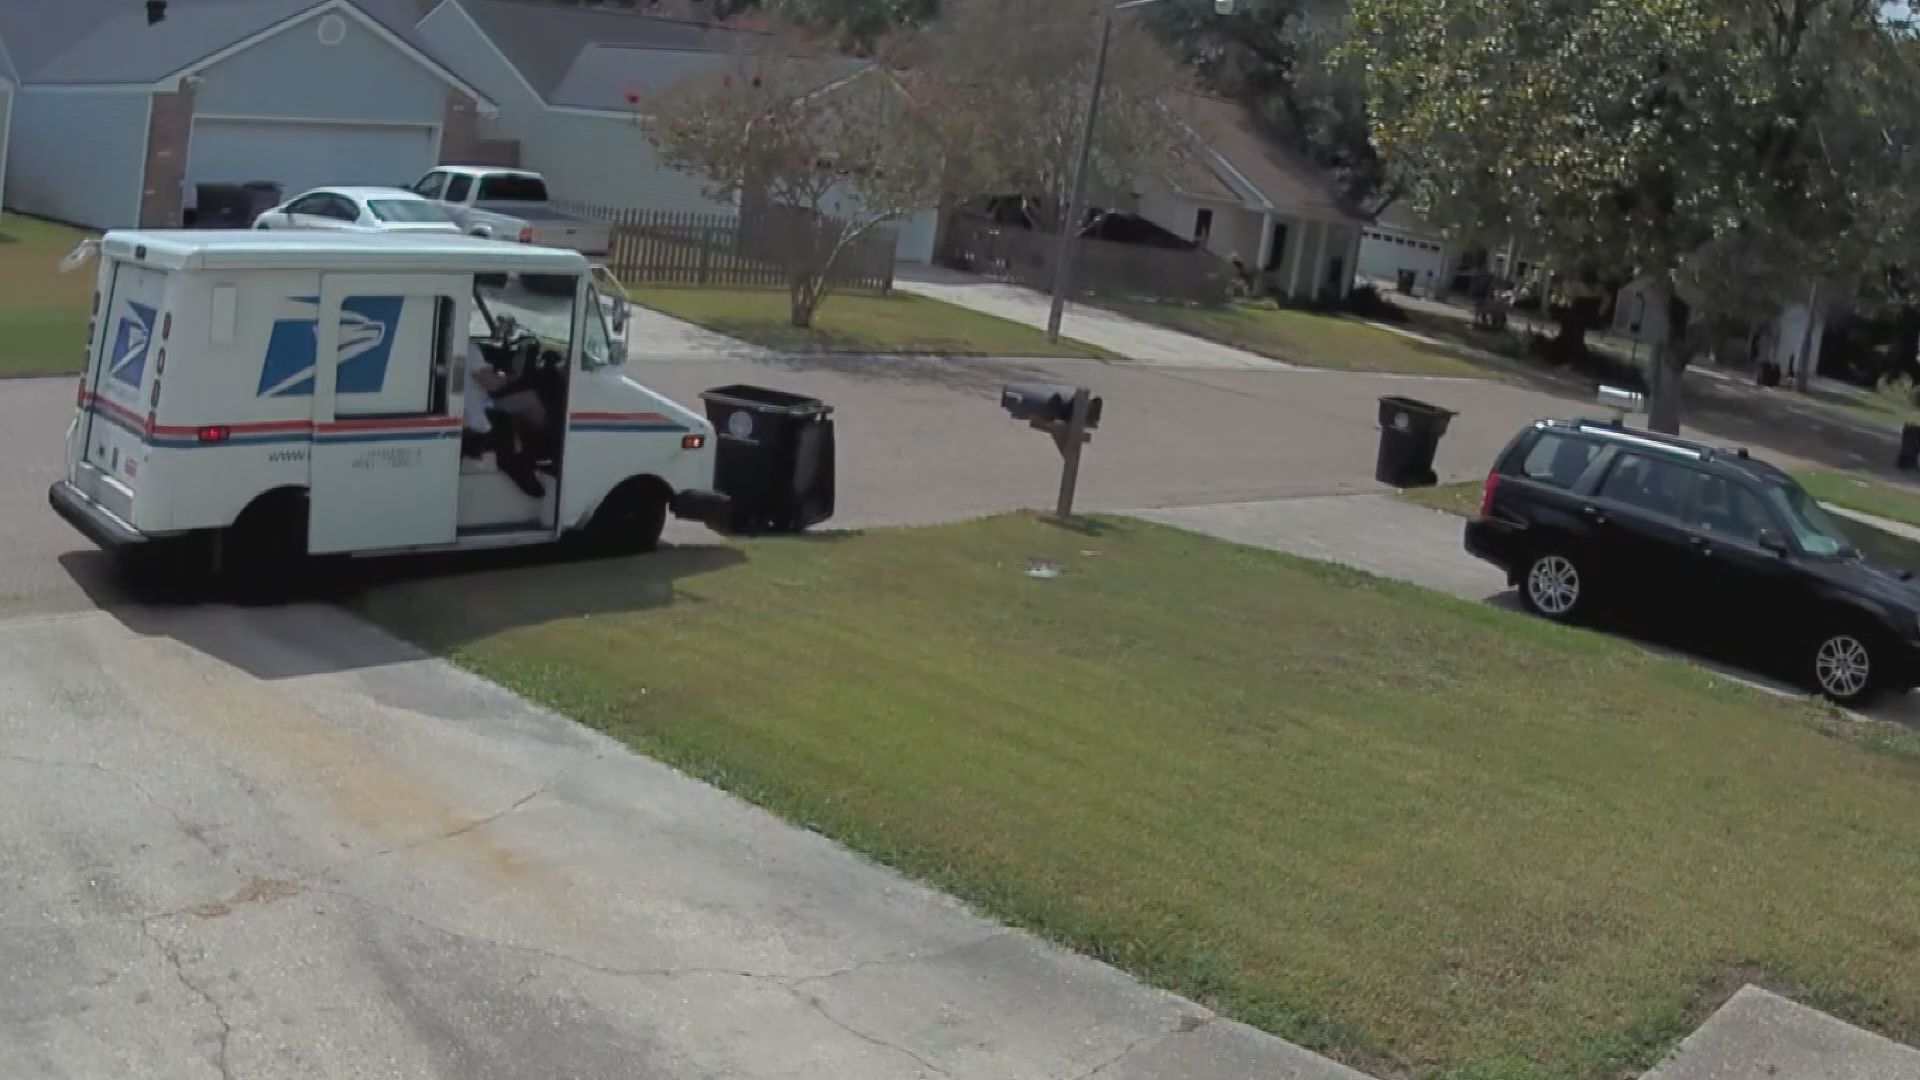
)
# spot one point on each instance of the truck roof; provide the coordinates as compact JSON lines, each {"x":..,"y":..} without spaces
{"x":249,"y":249}
{"x":486,"y":170}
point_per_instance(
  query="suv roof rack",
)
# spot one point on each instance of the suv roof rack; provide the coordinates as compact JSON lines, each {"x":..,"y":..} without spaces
{"x":1653,"y":440}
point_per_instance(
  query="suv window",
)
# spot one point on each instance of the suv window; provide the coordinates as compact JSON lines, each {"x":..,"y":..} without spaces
{"x":1558,"y":459}
{"x":457,"y":188}
{"x":1728,"y":509}
{"x":1648,"y":483}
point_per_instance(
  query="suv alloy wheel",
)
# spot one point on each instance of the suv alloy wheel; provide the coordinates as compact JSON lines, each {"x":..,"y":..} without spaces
{"x":1553,"y":586}
{"x":1843,"y":667}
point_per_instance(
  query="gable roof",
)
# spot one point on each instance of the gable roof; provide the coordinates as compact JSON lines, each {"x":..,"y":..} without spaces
{"x":590,"y":58}
{"x":1237,"y":157}
{"x":7,"y":73}
{"x":547,"y":42}
{"x":108,"y":42}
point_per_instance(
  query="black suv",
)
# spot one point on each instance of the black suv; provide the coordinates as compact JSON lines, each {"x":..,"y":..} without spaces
{"x":1589,"y":514}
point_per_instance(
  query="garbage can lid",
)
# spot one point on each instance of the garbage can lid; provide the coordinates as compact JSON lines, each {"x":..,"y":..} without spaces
{"x":762,"y":399}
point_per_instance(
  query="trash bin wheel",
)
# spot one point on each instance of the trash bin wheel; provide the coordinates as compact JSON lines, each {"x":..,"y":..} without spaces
{"x":631,"y":518}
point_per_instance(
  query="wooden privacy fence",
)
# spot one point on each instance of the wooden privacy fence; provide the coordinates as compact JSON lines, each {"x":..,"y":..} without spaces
{"x":667,"y":247}
{"x":1100,"y":268}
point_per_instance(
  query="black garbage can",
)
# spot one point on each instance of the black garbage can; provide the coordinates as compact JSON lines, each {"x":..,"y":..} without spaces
{"x":1409,"y":434}
{"x":1403,"y":281}
{"x":1909,"y":456}
{"x":774,"y":457}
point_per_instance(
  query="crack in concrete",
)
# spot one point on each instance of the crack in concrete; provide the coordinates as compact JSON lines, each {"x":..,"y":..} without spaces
{"x":820,"y":1007}
{"x":463,"y":829}
{"x":194,"y":832}
{"x":1186,"y":1025}
{"x":220,"y":1061}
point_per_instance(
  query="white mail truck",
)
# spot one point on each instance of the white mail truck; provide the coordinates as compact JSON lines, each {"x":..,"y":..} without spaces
{"x":261,"y":396}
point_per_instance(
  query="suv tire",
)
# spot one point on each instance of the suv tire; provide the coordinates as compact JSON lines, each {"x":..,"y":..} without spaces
{"x":1553,"y":586}
{"x":1842,"y":667}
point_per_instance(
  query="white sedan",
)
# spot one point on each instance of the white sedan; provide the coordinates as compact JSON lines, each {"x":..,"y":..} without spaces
{"x":359,"y":209}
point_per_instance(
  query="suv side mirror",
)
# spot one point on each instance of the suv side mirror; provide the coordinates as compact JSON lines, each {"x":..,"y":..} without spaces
{"x":1773,"y":541}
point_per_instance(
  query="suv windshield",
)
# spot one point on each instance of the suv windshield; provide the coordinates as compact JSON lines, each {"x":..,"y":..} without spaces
{"x":507,"y":187}
{"x":1815,"y":531}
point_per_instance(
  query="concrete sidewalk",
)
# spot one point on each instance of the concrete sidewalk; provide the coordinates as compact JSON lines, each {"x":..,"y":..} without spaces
{"x":1140,"y":342}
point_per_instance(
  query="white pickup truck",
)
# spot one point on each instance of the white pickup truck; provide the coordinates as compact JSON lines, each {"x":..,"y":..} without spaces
{"x":511,"y":204}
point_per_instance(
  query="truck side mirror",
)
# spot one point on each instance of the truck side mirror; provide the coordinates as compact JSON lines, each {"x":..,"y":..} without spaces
{"x":1046,"y":403}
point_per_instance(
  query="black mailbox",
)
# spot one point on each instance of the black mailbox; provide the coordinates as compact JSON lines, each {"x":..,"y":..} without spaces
{"x":1045,"y":402}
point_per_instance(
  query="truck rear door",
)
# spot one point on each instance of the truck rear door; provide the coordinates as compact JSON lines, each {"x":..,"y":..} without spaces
{"x":117,"y":397}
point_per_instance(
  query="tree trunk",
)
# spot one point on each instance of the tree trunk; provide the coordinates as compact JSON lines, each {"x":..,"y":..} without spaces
{"x":1803,"y":363}
{"x":802,"y":298}
{"x":1906,"y":344}
{"x":1666,"y":369}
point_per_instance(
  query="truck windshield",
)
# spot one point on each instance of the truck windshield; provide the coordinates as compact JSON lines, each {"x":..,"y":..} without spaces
{"x":509,"y":187}
{"x":547,"y":312}
{"x":1816,"y":532}
{"x":407,"y":210}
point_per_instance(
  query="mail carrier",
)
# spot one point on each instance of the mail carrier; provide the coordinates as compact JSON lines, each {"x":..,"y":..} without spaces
{"x":264,"y":395}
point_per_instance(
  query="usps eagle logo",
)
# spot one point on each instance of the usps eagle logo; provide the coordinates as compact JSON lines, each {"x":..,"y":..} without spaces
{"x":132,"y":337}
{"x":365,"y":343}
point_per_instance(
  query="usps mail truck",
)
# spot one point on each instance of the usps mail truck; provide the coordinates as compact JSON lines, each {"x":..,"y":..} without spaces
{"x":259,"y":396}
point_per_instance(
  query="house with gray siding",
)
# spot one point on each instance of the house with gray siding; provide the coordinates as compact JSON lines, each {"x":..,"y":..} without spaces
{"x":117,"y":120}
{"x":570,"y":84}
{"x":7,"y":80}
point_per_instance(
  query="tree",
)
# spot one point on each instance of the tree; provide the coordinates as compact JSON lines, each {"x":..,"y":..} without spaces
{"x":1012,"y":76}
{"x":1284,"y":60}
{"x":859,"y":24}
{"x":819,"y":151}
{"x":1651,"y":136}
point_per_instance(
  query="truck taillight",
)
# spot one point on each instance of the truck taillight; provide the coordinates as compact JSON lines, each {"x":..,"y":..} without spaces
{"x":1486,"y":493}
{"x":526,"y":234}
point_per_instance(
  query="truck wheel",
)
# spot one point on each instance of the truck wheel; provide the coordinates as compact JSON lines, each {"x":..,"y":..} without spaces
{"x":630,"y":519}
{"x":261,"y":553}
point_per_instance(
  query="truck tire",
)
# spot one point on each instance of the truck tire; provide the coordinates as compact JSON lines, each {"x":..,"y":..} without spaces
{"x":262,"y":551}
{"x":630,"y":519}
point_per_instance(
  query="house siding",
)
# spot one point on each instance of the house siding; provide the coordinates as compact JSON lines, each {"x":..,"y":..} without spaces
{"x":6,"y":121}
{"x":77,"y":157}
{"x":292,"y":75}
{"x":586,"y":158}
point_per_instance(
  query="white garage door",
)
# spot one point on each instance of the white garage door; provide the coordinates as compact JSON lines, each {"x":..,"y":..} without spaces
{"x":1383,"y":254}
{"x":302,"y":156}
{"x":916,"y":232}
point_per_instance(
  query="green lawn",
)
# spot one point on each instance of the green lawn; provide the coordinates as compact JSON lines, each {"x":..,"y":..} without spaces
{"x":1863,"y":493}
{"x":1303,"y":337}
{"x":43,"y":313}
{"x":1462,"y":499}
{"x":1429,"y":837}
{"x":855,"y":322}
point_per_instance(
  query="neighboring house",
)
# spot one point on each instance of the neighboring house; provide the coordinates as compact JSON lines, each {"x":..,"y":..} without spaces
{"x":1245,"y":195}
{"x":1399,"y":241}
{"x":571,"y":84}
{"x":115,"y":121}
{"x":8,"y":79}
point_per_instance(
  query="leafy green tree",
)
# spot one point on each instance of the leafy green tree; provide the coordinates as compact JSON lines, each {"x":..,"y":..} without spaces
{"x":1655,"y":138}
{"x":1283,"y":59}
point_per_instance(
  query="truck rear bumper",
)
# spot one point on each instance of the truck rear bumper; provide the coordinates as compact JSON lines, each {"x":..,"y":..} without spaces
{"x":709,"y":508}
{"x":91,"y":519}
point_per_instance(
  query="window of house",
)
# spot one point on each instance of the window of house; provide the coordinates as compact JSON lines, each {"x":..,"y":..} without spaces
{"x":1202,"y":226}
